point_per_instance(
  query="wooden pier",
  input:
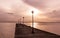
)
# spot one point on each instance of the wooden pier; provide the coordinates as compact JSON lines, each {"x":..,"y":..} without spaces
{"x":24,"y":31}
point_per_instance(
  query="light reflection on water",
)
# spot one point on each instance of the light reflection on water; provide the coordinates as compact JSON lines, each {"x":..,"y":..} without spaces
{"x":50,"y":27}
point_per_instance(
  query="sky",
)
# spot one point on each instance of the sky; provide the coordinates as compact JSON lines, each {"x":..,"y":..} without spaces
{"x":44,"y":10}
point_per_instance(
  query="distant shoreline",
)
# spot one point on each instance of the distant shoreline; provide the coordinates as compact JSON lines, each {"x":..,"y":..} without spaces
{"x":25,"y":22}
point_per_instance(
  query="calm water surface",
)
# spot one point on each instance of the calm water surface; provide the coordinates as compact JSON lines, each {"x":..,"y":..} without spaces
{"x":50,"y":27}
{"x":7,"y":30}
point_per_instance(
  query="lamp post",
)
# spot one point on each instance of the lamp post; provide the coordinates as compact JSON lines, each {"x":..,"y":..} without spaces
{"x":23,"y":20}
{"x":32,"y":22}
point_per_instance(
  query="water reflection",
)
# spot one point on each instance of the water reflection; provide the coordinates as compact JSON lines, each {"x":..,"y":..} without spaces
{"x":50,"y":27}
{"x":36,"y":25}
{"x":30,"y":24}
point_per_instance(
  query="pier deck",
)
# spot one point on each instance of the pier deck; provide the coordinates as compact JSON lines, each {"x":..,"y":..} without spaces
{"x":24,"y":31}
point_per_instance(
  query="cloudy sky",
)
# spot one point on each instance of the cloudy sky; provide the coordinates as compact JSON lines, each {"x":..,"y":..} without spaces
{"x":44,"y":10}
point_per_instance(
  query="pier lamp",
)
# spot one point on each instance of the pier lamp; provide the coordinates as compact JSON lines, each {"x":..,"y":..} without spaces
{"x":32,"y":22}
{"x":23,"y":20}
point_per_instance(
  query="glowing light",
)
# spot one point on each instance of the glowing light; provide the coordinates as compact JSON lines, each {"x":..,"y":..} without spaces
{"x":36,"y":11}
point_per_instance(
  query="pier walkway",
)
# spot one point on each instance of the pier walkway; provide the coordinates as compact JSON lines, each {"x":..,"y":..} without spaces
{"x":24,"y":31}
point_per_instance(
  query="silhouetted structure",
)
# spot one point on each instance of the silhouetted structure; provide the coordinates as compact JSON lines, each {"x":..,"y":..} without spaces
{"x":23,"y":20}
{"x":32,"y":22}
{"x":24,"y":31}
